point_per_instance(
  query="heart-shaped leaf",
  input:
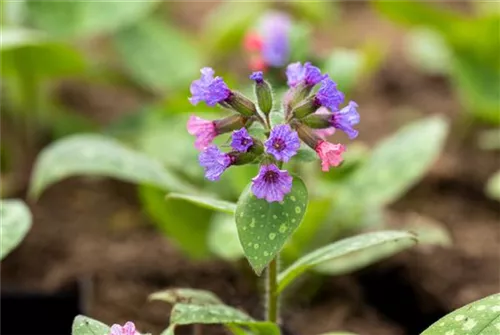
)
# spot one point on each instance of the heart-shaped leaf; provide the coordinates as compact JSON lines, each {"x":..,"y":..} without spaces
{"x":186,"y":295}
{"x":15,"y":222}
{"x":264,"y":227}
{"x":481,"y":317}
{"x":94,"y":155}
{"x":83,"y":325}
{"x":206,"y":202}
{"x":349,"y":254}
{"x":185,"y":314}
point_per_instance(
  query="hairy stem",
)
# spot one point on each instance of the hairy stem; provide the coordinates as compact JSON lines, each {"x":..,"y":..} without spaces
{"x":271,"y":294}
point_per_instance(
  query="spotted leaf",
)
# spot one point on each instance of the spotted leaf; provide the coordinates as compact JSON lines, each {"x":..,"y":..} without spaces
{"x":263,"y":227}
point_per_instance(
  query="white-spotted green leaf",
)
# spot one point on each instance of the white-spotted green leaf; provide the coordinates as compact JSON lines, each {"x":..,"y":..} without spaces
{"x":206,"y":202}
{"x":83,"y":325}
{"x":15,"y":222}
{"x":187,"y":296}
{"x":223,"y":239}
{"x":396,"y":164}
{"x":95,"y":155}
{"x":264,"y":227}
{"x":85,"y":18}
{"x":186,"y":314}
{"x":349,"y":254}
{"x":493,"y":186}
{"x":481,"y":317}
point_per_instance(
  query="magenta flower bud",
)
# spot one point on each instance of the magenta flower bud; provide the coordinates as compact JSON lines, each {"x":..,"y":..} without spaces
{"x":271,"y":183}
{"x":127,"y":329}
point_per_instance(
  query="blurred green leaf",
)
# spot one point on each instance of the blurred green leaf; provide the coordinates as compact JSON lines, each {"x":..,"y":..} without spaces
{"x":349,"y":254}
{"x":398,"y":162}
{"x":15,"y":222}
{"x":229,"y":22}
{"x":158,"y":55}
{"x":428,"y":230}
{"x":83,"y":325}
{"x":186,"y":314}
{"x":345,"y":67}
{"x":305,"y":154}
{"x":300,"y":40}
{"x":13,"y":37}
{"x":206,"y":202}
{"x":428,"y":50}
{"x":314,"y":11}
{"x":182,"y":222}
{"x":223,"y":237}
{"x":186,"y":295}
{"x":74,"y":19}
{"x":493,"y":186}
{"x":477,"y":318}
{"x":489,"y":139}
{"x":95,"y":155}
{"x":264,"y":227}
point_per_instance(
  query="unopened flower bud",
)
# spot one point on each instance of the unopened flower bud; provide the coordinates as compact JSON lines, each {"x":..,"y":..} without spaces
{"x":242,"y":158}
{"x":263,"y":92}
{"x":306,"y":134}
{"x":230,"y":123}
{"x":241,"y":104}
{"x":318,"y":121}
{"x":305,"y":108}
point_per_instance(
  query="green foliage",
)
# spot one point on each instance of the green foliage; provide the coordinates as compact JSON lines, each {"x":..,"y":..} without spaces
{"x":186,"y":295}
{"x":95,"y":155}
{"x":480,"y":317}
{"x":206,"y":202}
{"x":428,"y":50}
{"x":184,"y":223}
{"x":83,"y":325}
{"x":157,"y":55}
{"x":223,"y":239}
{"x":474,"y":62}
{"x":15,"y":222}
{"x":77,"y":19}
{"x":349,"y":254}
{"x":263,"y":227}
{"x":345,"y":66}
{"x":493,"y":186}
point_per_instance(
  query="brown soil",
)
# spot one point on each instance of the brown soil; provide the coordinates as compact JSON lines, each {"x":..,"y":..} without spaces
{"x":93,"y":231}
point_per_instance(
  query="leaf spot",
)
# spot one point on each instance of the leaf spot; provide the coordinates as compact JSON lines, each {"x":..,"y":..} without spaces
{"x":272,"y":236}
{"x":256,"y":246}
{"x":471,"y":323}
{"x":459,"y":317}
{"x":283,"y":228}
{"x":297,"y":209}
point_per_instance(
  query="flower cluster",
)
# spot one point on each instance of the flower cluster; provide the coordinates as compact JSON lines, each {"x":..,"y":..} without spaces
{"x":308,"y":117}
{"x":269,"y":43}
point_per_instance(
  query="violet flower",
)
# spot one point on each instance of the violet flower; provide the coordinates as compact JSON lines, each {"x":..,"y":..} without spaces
{"x":346,"y":118}
{"x":329,"y":96}
{"x":271,"y":183}
{"x":209,"y":89}
{"x":215,"y":162}
{"x":283,"y":142}
{"x":307,"y":74}
{"x":241,"y":140}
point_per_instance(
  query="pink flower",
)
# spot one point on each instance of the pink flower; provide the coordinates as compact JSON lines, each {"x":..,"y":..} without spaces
{"x":330,"y":154}
{"x":127,"y":329}
{"x":204,"y":130}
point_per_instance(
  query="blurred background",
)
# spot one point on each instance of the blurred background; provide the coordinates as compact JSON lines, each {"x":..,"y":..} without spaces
{"x":426,"y":77}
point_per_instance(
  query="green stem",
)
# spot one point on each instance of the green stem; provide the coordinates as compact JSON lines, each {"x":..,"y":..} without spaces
{"x":271,"y":294}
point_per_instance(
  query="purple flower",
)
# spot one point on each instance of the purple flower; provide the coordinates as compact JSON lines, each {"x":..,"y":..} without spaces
{"x":257,"y":76}
{"x":241,"y":140}
{"x":204,"y":130}
{"x":275,"y":31}
{"x":127,"y":329}
{"x":346,"y":118}
{"x":209,"y":89}
{"x":308,"y":74}
{"x":283,"y":142}
{"x":215,"y":162}
{"x":329,"y":96}
{"x":271,"y":183}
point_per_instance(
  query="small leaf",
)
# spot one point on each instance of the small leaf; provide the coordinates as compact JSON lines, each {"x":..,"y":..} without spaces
{"x":94,"y":155}
{"x":15,"y":222}
{"x":186,"y":295}
{"x":493,"y":186}
{"x":83,"y":325}
{"x":158,"y":55}
{"x":349,"y":254}
{"x":85,"y":18}
{"x":481,"y":317}
{"x":206,"y":202}
{"x":264,"y":227}
{"x":185,"y":224}
{"x":185,"y":314}
{"x":223,"y":239}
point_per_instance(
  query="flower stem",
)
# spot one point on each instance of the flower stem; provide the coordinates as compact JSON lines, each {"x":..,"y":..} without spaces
{"x":271,"y":295}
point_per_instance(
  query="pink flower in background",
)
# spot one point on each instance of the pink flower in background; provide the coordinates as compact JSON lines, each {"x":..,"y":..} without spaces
{"x":126,"y":329}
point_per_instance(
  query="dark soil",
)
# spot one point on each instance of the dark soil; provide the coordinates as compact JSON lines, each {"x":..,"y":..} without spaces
{"x":92,"y":231}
